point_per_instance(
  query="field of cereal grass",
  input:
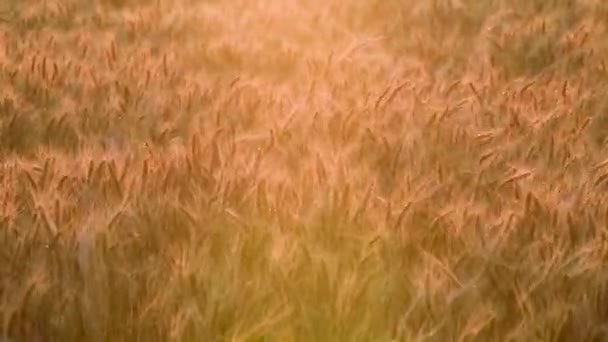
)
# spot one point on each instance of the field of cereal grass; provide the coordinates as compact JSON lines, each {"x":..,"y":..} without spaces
{"x":253,"y":170}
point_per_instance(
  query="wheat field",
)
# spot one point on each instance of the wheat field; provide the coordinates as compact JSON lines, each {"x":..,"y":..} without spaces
{"x":265,"y":170}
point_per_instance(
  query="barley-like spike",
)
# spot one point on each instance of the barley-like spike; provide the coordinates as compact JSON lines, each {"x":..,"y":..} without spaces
{"x":396,"y":160}
{"x":445,"y":114}
{"x":168,"y":180}
{"x":395,"y":91}
{"x":85,"y":49}
{"x":62,"y":183}
{"x":48,"y":224}
{"x":55,"y":73}
{"x":528,"y":207}
{"x":114,"y":177}
{"x":226,"y":190}
{"x":57,"y":210}
{"x":93,"y":78}
{"x":451,"y":88}
{"x":109,"y":63}
{"x":125,"y":170}
{"x":144,"y":174}
{"x":477,"y":95}
{"x":592,"y":229}
{"x":47,"y":173}
{"x":43,"y":68}
{"x":600,"y":179}
{"x":434,"y":223}
{"x":554,"y":218}
{"x":551,"y":149}
{"x":113,"y":50}
{"x":600,"y":165}
{"x":363,"y":206}
{"x":90,"y":171}
{"x":216,"y":160}
{"x":571,"y":229}
{"x":33,"y":64}
{"x":189,"y":215}
{"x":189,"y":166}
{"x":30,"y":178}
{"x":531,"y":152}
{"x":584,"y":125}
{"x":115,"y":219}
{"x":99,"y":173}
{"x":261,"y":197}
{"x":165,"y":65}
{"x":517,"y":176}
{"x":320,"y":170}
{"x":485,"y":156}
{"x":526,"y":87}
{"x":382,"y":95}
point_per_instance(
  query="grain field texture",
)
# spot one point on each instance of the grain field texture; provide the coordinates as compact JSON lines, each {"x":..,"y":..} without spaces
{"x":250,"y":170}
